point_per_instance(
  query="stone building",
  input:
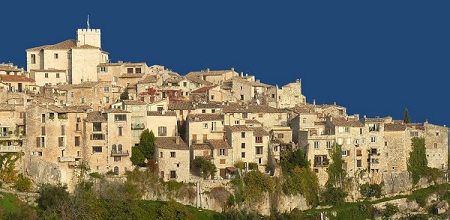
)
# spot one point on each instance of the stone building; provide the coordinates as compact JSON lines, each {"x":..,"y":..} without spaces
{"x":70,"y":61}
{"x":172,"y":155}
{"x":162,"y":123}
{"x":18,"y":83}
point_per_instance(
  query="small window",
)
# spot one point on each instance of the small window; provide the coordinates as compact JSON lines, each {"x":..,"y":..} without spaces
{"x":328,"y":144}
{"x":304,"y":120}
{"x":373,"y":139}
{"x":106,"y":89}
{"x":222,"y":152}
{"x":203,"y":111}
{"x":236,"y":122}
{"x":46,"y":75}
{"x":173,"y":174}
{"x":56,"y":56}
{"x":258,"y":140}
{"x":205,"y":125}
{"x":96,"y":149}
{"x":129,"y":70}
{"x":172,"y":154}
{"x":96,"y":126}
{"x":242,"y":134}
{"x":259,"y":150}
{"x":316,"y":145}
{"x":212,"y":97}
{"x":243,"y":154}
{"x":242,"y":97}
{"x":138,"y":70}
{"x":242,"y":145}
{"x":117,"y":159}
{"x":57,"y":75}
{"x":120,"y":117}
{"x":162,"y":131}
{"x":260,"y":115}
{"x":161,"y":155}
{"x":33,"y":58}
{"x":119,"y":131}
{"x":77,"y":141}
{"x":358,"y":163}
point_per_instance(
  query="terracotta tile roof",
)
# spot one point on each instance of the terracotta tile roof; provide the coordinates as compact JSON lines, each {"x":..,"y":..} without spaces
{"x":87,"y":46}
{"x":324,"y":106}
{"x":156,"y":113}
{"x":95,"y":117}
{"x":373,"y":120}
{"x":259,"y":131}
{"x":67,"y":109}
{"x":174,"y":79}
{"x":196,"y":79}
{"x":9,"y":67}
{"x":180,"y":106}
{"x":132,"y":75}
{"x":204,"y":89}
{"x":418,"y":126}
{"x":252,"y":121}
{"x":205,"y":117}
{"x":65,"y":45}
{"x":236,"y":108}
{"x":201,"y":146}
{"x":109,"y":64}
{"x":250,"y":83}
{"x":115,"y":110}
{"x":47,"y":70}
{"x":37,"y":48}
{"x":148,"y":79}
{"x":170,"y":143}
{"x":133,"y":102}
{"x":208,"y":72}
{"x":65,"y":87}
{"x":89,"y":84}
{"x":15,"y":78}
{"x":219,"y":144}
{"x":209,"y":105}
{"x":394,"y":127}
{"x":235,"y":128}
{"x":304,"y":109}
{"x":346,"y":123}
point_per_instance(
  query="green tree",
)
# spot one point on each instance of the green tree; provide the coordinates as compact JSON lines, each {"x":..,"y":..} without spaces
{"x":406,"y":118}
{"x":137,"y":157}
{"x":255,"y":184}
{"x":417,"y":163}
{"x":205,"y":166}
{"x":52,"y":197}
{"x":23,"y":183}
{"x":336,"y":174}
{"x":295,"y":159}
{"x":124,"y":96}
{"x":146,"y":144}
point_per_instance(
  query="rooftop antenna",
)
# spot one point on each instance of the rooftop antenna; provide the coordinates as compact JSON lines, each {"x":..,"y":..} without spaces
{"x":88,"y":26}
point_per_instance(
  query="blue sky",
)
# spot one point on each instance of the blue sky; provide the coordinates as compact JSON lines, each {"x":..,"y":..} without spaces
{"x":374,"y":57}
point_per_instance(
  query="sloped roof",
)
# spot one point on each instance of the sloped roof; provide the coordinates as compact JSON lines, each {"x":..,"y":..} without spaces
{"x":204,"y":146}
{"x":236,"y":108}
{"x":205,"y":117}
{"x":394,"y":127}
{"x":134,"y":102}
{"x":337,"y":121}
{"x":170,"y":143}
{"x":259,"y":131}
{"x":235,"y":128}
{"x":219,"y":144}
{"x":180,"y":105}
{"x":148,"y":79}
{"x":156,"y":113}
{"x":15,"y":78}
{"x":95,"y":117}
{"x":203,"y":89}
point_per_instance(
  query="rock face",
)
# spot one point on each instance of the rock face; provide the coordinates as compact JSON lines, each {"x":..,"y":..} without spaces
{"x":396,"y":183}
{"x":43,"y":172}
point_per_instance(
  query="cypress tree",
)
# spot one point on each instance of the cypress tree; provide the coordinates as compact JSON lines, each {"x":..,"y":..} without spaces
{"x":406,"y":118}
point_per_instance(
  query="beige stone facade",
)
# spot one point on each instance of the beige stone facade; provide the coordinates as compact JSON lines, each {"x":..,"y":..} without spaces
{"x":172,"y":155}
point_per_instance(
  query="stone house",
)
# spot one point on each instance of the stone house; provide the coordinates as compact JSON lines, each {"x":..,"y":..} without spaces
{"x":163,"y":124}
{"x":219,"y":152}
{"x":111,"y":72}
{"x":138,"y":117}
{"x":202,"y":127}
{"x":99,"y":95}
{"x":212,"y":76}
{"x":288,"y":96}
{"x":12,"y":128}
{"x":70,"y":61}
{"x":269,"y":117}
{"x":206,"y":94}
{"x":172,"y":155}
{"x":18,"y":83}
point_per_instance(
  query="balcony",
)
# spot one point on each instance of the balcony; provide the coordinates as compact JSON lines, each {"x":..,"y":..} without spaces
{"x":97,"y":136}
{"x":76,"y":164}
{"x":10,"y":149}
{"x":66,"y":159}
{"x":137,"y":126}
{"x":117,"y":153}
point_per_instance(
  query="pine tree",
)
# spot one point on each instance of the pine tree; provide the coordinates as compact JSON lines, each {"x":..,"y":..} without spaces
{"x":406,"y":118}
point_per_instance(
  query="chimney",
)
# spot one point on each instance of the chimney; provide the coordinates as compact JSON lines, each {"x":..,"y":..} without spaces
{"x":232,"y":69}
{"x":177,"y":140}
{"x":334,"y":103}
{"x":242,"y":74}
{"x":207,"y":70}
{"x":314,"y":102}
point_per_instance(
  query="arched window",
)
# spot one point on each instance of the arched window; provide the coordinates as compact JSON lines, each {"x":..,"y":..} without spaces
{"x":114,"y":148}
{"x":116,"y":170}
{"x":120,"y":148}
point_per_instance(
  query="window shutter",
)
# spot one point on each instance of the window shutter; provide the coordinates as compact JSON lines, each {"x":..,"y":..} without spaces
{"x":226,"y":152}
{"x":38,"y":142}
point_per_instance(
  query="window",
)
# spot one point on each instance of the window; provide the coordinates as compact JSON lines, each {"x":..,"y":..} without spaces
{"x":345,"y":153}
{"x":205,"y":125}
{"x":120,"y":117}
{"x":374,"y":127}
{"x":57,"y":75}
{"x":162,"y":131}
{"x":56,"y":56}
{"x":259,"y":150}
{"x":77,"y":141}
{"x":242,"y":97}
{"x":42,"y":131}
{"x":212,"y":97}
{"x":173,"y":174}
{"x":61,"y":141}
{"x":347,"y":129}
{"x":373,"y":139}
{"x":213,"y":111}
{"x":328,"y":144}
{"x":172,"y":154}
{"x":304,"y":120}
{"x":106,"y":89}
{"x":46,"y":75}
{"x":97,"y":137}
{"x":82,"y":100}
{"x":129,"y":70}
{"x":260,"y":115}
{"x":386,"y":143}
{"x":437,"y":133}
{"x":205,"y":137}
{"x":203,"y":111}
{"x":161,"y":155}
{"x":33,"y":58}
{"x":63,"y":130}
{"x":243,"y":154}
{"x":242,"y":145}
{"x":138,"y":70}
{"x":119,"y":131}
{"x":213,"y":126}
{"x":258,"y":140}
{"x":414,"y":134}
{"x":316,"y":145}
{"x":242,"y":134}
{"x":96,"y":126}
{"x":185,"y":84}
{"x":116,"y":159}
{"x":236,"y":122}
{"x":103,"y":69}
{"x":221,"y":152}
{"x":245,"y":115}
{"x":435,"y":145}
{"x":96,"y":149}
{"x":358,"y":163}
{"x":280,"y":135}
{"x":106,"y":99}
{"x":358,"y":152}
{"x":222,"y":161}
{"x":40,"y":141}
{"x":77,"y":127}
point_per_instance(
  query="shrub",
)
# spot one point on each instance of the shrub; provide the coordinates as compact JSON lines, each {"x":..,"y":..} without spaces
{"x":23,"y":183}
{"x":205,"y":166}
{"x":96,"y":175}
{"x":334,"y":196}
{"x":370,"y":190}
{"x":253,"y":166}
{"x":389,"y":210}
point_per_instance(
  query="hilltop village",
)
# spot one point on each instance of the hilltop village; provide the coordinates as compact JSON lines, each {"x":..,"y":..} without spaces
{"x":72,"y":110}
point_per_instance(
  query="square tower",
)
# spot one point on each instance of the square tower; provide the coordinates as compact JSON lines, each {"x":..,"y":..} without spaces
{"x":89,"y":37}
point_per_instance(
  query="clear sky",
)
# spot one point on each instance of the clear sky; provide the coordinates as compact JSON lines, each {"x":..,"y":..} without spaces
{"x":374,"y":57}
